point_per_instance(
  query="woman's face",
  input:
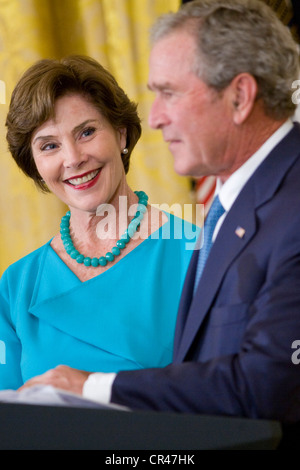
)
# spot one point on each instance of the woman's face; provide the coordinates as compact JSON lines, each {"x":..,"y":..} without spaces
{"x":78,"y":154}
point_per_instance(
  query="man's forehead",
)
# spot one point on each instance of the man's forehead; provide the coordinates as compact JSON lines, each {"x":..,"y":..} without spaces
{"x":170,"y":59}
{"x":177,"y":42}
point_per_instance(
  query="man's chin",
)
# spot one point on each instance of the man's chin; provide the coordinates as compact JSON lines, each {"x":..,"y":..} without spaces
{"x":183,"y":170}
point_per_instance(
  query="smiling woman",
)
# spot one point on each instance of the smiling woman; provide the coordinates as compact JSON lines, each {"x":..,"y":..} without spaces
{"x":88,"y":299}
{"x":84,"y":151}
{"x":34,"y":98}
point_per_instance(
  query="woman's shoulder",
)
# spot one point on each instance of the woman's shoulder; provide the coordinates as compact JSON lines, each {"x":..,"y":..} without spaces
{"x":27,"y":264}
{"x":180,"y":228}
{"x":173,"y":235}
{"x":167,"y":220}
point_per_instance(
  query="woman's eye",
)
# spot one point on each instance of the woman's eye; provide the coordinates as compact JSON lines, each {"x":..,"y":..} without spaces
{"x":88,"y":132}
{"x":49,"y":146}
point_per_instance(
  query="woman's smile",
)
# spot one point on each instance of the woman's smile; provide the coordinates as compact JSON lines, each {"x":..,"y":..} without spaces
{"x":84,"y":181}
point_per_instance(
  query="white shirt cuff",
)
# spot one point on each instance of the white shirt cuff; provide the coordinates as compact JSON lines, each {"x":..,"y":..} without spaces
{"x":98,"y":387}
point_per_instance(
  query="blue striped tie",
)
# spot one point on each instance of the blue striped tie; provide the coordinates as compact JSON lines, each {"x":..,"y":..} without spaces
{"x":211,"y":220}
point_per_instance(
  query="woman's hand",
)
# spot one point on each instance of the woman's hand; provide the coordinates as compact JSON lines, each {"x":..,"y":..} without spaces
{"x":62,"y":377}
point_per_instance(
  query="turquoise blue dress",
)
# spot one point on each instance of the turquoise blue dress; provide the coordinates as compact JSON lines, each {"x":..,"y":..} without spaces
{"x":122,"y":319}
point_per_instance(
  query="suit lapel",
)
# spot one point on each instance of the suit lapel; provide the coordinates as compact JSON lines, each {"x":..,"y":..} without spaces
{"x":219,"y":260}
{"x":186,"y":299}
{"x":257,"y":191}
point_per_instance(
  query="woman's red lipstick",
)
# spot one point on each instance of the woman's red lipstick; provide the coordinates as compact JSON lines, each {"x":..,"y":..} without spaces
{"x":84,"y":185}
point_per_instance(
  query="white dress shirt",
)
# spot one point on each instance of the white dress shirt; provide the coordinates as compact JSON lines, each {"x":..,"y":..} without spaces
{"x":229,"y":191}
{"x":98,"y":386}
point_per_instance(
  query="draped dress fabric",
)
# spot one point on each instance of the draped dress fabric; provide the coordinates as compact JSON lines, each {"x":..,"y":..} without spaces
{"x":120,"y":320}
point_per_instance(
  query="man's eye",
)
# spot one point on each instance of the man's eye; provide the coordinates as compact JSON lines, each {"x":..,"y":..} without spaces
{"x":167,"y":93}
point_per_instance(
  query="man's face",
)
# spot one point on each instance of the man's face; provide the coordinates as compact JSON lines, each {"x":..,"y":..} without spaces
{"x":195,"y":120}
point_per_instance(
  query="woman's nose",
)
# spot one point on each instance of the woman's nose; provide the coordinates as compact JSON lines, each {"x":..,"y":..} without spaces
{"x":73,"y":155}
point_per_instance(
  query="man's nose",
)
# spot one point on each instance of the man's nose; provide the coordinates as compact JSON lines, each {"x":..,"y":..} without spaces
{"x":157,"y":116}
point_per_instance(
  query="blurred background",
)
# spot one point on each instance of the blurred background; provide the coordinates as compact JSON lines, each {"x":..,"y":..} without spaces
{"x":114,"y":32}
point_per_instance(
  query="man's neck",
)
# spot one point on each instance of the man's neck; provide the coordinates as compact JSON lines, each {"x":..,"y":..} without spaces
{"x":251,"y":137}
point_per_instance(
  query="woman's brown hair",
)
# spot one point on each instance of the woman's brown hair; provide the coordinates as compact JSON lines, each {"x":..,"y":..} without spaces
{"x":34,"y":97}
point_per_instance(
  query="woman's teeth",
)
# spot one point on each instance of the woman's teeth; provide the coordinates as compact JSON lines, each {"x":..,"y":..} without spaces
{"x":83,"y":179}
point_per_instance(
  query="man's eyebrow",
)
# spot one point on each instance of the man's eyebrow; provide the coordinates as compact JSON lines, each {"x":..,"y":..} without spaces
{"x":159,"y":86}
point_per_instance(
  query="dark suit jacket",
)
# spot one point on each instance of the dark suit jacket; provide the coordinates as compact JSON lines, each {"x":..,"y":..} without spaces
{"x":233,"y":342}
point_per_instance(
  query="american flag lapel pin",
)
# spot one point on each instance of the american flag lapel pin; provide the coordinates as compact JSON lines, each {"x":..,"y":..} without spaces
{"x":240,"y":232}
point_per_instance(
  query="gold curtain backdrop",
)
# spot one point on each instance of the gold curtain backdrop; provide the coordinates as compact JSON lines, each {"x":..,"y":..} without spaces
{"x":114,"y":32}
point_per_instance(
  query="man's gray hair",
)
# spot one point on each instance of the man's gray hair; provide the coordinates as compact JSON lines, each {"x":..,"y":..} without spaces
{"x":239,"y":36}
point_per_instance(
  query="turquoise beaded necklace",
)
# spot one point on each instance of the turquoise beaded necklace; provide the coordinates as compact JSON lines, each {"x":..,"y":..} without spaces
{"x":116,"y":250}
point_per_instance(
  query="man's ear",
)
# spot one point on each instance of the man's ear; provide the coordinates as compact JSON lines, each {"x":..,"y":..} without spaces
{"x":243,"y":90}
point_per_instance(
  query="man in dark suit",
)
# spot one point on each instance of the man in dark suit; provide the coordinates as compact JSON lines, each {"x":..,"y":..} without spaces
{"x":222,"y":75}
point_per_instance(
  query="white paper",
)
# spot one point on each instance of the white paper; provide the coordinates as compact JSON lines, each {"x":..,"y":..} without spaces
{"x":48,"y":395}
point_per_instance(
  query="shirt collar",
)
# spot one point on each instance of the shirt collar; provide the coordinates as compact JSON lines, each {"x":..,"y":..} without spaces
{"x":229,"y":191}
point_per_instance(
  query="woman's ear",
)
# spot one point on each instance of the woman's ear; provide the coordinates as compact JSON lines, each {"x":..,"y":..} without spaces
{"x":243,"y":95}
{"x":123,"y":137}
